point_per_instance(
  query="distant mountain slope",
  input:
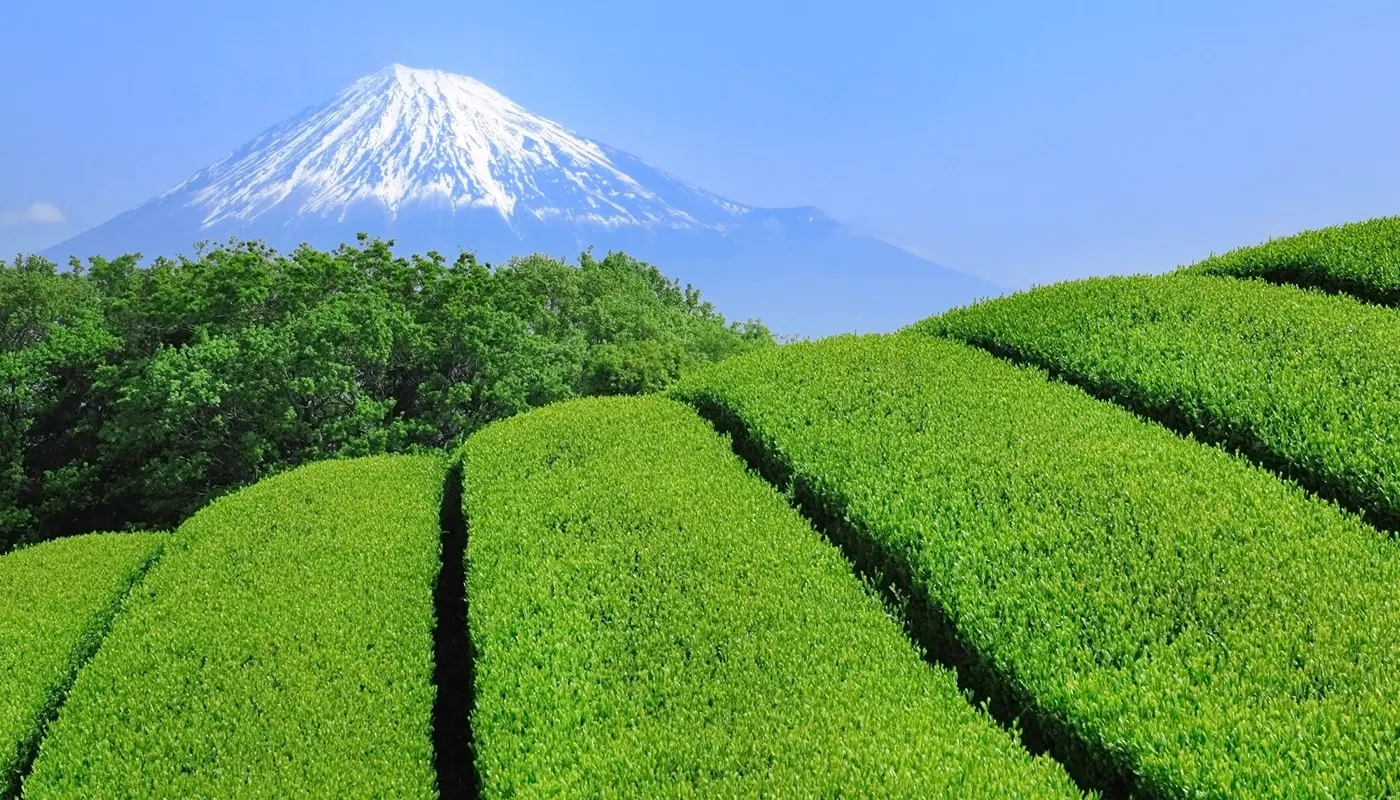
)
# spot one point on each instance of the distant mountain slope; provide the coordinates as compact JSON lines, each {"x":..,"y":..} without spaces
{"x":441,"y":161}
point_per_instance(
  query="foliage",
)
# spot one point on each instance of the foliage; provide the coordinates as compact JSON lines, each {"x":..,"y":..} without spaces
{"x":281,"y":648}
{"x":1359,"y":258}
{"x":649,"y":620}
{"x":59,"y":598}
{"x":130,"y":397}
{"x":52,"y":341}
{"x":1305,"y":382}
{"x":1183,"y":614}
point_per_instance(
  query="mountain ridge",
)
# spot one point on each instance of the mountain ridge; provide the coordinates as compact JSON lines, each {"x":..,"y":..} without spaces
{"x":438,"y":161}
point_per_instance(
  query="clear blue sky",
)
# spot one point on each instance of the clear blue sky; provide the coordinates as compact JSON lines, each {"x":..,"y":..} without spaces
{"x":1025,"y":142}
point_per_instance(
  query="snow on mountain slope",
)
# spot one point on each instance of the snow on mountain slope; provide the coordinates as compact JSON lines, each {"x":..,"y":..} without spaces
{"x":405,"y":135}
{"x":436,"y":161}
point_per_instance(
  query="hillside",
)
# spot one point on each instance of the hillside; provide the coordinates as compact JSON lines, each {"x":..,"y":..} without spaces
{"x":1123,"y":537}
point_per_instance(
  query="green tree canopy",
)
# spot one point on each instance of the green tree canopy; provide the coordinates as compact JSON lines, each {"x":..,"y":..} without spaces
{"x":130,"y":396}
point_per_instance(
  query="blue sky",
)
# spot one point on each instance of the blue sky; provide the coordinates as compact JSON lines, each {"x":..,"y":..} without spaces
{"x":1025,"y":142}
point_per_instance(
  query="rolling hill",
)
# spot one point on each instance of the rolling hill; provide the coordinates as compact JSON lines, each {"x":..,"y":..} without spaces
{"x":1122,"y":537}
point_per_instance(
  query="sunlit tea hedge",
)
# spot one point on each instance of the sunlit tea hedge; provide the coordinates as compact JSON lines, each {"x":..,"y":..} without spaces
{"x":57,"y":600}
{"x":1360,"y":258}
{"x":1305,"y":382}
{"x":282,"y":647}
{"x":1164,"y":608}
{"x":652,"y":621}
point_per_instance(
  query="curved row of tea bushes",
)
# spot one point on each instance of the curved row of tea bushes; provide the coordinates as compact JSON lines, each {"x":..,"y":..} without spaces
{"x":57,"y":600}
{"x":1162,"y":606}
{"x":1360,"y":258}
{"x":281,"y":648}
{"x":1304,"y":382}
{"x":649,"y":620}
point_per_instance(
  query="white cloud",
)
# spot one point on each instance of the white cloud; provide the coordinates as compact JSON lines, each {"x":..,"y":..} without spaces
{"x":40,"y":212}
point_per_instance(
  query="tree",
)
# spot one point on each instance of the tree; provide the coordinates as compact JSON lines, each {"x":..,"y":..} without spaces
{"x":130,"y":396}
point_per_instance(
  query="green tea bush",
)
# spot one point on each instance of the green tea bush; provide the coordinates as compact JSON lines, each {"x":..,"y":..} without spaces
{"x":649,"y":620}
{"x":1304,"y":382}
{"x":1360,"y":258}
{"x":282,"y":648}
{"x":57,"y":600}
{"x":1165,"y":608}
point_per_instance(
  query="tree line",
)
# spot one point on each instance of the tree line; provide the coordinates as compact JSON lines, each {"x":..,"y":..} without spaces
{"x":131,"y":396}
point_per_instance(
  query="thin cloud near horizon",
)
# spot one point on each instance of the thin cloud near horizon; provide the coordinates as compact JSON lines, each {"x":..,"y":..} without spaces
{"x":40,"y":212}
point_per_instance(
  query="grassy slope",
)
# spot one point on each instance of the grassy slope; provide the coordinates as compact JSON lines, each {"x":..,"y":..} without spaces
{"x":58,"y":599}
{"x":282,"y":648}
{"x":1179,"y":614}
{"x":652,"y":621}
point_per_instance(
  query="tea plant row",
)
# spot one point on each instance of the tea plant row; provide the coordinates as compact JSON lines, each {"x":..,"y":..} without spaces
{"x":1165,"y":610}
{"x":1304,"y":382}
{"x":1360,"y":258}
{"x":282,"y":647}
{"x":57,"y":600}
{"x":651,"y":620}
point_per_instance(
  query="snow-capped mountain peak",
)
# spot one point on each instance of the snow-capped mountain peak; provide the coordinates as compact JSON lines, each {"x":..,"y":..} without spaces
{"x":437,"y":162}
{"x":403,"y":136}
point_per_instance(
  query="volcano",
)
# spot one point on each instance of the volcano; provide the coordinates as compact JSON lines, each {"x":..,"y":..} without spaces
{"x":437,"y":161}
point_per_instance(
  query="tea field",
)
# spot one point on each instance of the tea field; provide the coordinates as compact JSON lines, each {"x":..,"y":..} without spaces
{"x":1120,"y":537}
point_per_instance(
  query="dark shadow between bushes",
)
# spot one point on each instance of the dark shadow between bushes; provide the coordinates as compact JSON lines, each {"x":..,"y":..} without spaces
{"x":454,"y":671}
{"x":1091,"y":766}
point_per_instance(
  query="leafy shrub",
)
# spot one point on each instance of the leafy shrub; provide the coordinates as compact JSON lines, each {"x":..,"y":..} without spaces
{"x":282,"y":648}
{"x":651,"y":621}
{"x":1304,"y":382}
{"x":1359,"y":258}
{"x":59,"y":598}
{"x":1163,"y":608}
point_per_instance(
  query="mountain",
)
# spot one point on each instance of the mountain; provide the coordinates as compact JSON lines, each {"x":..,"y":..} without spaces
{"x":441,"y":161}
